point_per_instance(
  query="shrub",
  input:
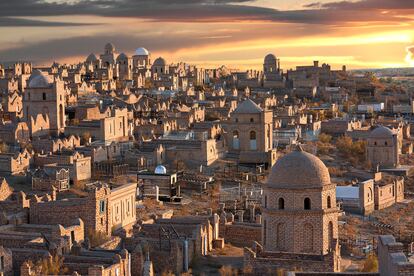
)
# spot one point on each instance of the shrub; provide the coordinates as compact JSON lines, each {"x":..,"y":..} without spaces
{"x":353,"y":151}
{"x":97,"y":238}
{"x":228,"y":271}
{"x":51,"y":266}
{"x":325,"y":138}
{"x":370,"y":264}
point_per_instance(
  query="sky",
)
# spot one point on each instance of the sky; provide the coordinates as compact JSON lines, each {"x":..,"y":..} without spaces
{"x":211,"y":33}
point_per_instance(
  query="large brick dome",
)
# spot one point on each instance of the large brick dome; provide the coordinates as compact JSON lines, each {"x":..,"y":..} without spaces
{"x":299,"y":169}
{"x":381,"y":132}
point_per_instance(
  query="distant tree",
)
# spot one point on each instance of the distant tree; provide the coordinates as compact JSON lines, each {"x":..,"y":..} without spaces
{"x":353,"y":151}
{"x":97,"y":238}
{"x":325,"y":138}
{"x":228,"y":271}
{"x":86,"y":136}
{"x":370,"y":264}
{"x":51,"y":266}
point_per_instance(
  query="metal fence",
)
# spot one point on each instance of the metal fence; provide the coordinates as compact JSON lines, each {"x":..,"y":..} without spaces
{"x":253,"y":193}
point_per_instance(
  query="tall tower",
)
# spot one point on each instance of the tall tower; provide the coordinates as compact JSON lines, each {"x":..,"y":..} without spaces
{"x":271,"y":64}
{"x":124,"y":66}
{"x":108,"y":58}
{"x":141,"y":58}
{"x":299,"y":206}
{"x":250,"y":134}
{"x":45,"y":96}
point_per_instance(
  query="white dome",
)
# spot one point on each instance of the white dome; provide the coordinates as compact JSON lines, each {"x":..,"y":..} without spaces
{"x":160,"y":169}
{"x":141,"y":52}
{"x":39,"y":80}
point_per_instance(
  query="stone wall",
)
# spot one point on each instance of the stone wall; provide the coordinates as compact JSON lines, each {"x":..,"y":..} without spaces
{"x":5,"y":190}
{"x":241,"y":234}
{"x":65,"y":211}
{"x":6,"y":262}
{"x":269,"y":263}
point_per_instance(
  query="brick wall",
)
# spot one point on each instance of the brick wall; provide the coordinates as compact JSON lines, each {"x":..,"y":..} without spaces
{"x":241,"y":234}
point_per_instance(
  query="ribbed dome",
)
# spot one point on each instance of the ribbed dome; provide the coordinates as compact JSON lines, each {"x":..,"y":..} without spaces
{"x":299,"y":169}
{"x":122,"y":56}
{"x":91,"y":58}
{"x":109,"y":47}
{"x":141,"y":52}
{"x":381,"y":132}
{"x":160,"y":62}
{"x":39,"y":80}
{"x":270,"y":58}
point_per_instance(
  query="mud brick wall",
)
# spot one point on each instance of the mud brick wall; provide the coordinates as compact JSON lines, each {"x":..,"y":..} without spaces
{"x":241,"y":234}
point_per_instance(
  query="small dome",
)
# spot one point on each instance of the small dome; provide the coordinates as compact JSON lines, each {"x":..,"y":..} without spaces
{"x":122,"y":56}
{"x":381,"y":132}
{"x":270,"y":58}
{"x":109,"y":47}
{"x":141,"y":52}
{"x":160,"y":62}
{"x":38,"y":79}
{"x":91,"y":58}
{"x":160,"y":169}
{"x":248,"y":107}
{"x":299,"y":169}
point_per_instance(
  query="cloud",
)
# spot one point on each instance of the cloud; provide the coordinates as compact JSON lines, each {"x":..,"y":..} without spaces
{"x":22,"y":22}
{"x":208,"y":10}
{"x":365,"y":4}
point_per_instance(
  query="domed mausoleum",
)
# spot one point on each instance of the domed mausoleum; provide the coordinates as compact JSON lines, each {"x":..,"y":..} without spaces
{"x":299,"y":206}
{"x":383,"y":148}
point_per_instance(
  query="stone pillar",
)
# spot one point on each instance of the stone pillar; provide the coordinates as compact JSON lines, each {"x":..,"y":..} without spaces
{"x":222,"y":206}
{"x":230,"y":217}
{"x":240,"y":214}
{"x":157,"y":193}
{"x":252,"y":213}
{"x":216,"y":221}
{"x":259,"y":219}
{"x":178,"y":190}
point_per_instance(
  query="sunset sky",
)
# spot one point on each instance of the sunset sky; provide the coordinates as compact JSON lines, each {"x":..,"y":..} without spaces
{"x":237,"y":33}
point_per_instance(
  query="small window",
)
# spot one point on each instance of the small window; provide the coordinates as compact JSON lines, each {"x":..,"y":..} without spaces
{"x":251,"y":120}
{"x":281,"y":204}
{"x":386,"y":143}
{"x":328,"y":202}
{"x":44,"y":96}
{"x":307,"y":203}
{"x":1,"y":263}
{"x":236,"y":120}
{"x":102,"y":206}
{"x":265,"y":202}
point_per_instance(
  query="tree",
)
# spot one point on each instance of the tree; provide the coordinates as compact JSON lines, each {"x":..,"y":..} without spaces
{"x":370,"y":264}
{"x":325,"y":138}
{"x":353,"y":151}
{"x":86,"y":136}
{"x":51,"y":266}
